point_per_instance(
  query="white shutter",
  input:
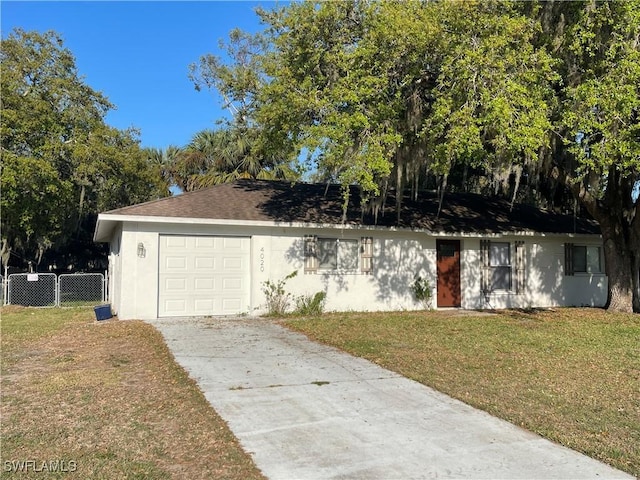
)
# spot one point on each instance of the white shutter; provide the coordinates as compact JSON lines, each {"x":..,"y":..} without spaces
{"x":310,"y":254}
{"x":366,"y":255}
{"x":520,"y":268}
{"x":485,"y":279}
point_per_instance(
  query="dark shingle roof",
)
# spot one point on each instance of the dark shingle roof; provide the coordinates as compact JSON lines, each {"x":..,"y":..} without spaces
{"x":315,"y":203}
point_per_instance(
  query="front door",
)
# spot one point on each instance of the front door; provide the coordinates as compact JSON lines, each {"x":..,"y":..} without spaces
{"x":448,"y":270}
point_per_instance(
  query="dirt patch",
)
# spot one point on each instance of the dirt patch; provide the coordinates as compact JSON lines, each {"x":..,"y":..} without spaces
{"x":109,"y":397}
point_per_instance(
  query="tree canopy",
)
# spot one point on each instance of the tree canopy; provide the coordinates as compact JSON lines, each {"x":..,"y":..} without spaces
{"x":61,"y":163}
{"x":403,"y":95}
{"x":534,"y":101}
{"x":224,"y":155}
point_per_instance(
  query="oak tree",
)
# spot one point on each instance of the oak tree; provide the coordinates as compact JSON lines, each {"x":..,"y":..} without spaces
{"x":61,"y":163}
{"x":399,"y":94}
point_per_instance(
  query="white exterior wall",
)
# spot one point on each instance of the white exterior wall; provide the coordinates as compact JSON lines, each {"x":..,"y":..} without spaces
{"x":398,"y":257}
{"x":114,"y":286}
{"x":545,"y":282}
{"x":139,"y":283}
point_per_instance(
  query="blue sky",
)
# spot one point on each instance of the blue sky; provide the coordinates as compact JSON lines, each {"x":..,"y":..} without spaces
{"x":138,"y":55}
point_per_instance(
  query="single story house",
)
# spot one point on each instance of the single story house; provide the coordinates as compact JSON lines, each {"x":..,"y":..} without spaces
{"x":210,"y":252}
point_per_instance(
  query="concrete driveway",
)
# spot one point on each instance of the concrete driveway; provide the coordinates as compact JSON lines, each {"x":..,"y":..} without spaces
{"x":307,"y":411}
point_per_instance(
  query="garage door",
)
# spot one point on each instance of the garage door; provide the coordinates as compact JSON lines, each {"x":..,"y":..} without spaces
{"x":203,"y":275}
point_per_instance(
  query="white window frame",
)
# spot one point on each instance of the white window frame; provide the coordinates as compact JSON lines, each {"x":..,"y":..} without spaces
{"x":494,"y":266}
{"x":516,"y":263}
{"x":361,"y":248}
{"x":339,"y":250}
{"x":596,"y":252}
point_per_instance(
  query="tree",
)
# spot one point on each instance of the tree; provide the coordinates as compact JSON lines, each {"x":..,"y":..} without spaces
{"x":596,"y":139}
{"x":238,"y":149}
{"x":163,"y":161}
{"x":396,"y":94}
{"x":331,"y":94}
{"x":34,"y":205}
{"x":61,"y":162}
{"x":494,"y":95}
{"x":224,"y":155}
{"x":572,"y":113}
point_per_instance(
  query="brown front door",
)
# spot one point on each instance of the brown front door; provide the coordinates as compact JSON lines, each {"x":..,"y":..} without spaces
{"x":448,"y":271}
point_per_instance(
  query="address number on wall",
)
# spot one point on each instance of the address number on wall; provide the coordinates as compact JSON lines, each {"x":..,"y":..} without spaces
{"x":262,"y":260}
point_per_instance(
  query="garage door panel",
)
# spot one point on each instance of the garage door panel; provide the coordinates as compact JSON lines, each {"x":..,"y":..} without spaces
{"x":233,"y":264}
{"x":208,"y":284}
{"x":232,"y":243}
{"x":174,"y":306}
{"x":175,"y":242}
{"x":203,"y":275}
{"x":175,"y":263}
{"x":205,"y":263}
{"x":175,"y":284}
{"x":203,"y":305}
{"x":231,"y":304}
{"x":205,"y":242}
{"x":231,"y":284}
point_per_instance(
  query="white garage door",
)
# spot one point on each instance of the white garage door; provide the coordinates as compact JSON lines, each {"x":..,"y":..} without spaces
{"x":201,"y":275}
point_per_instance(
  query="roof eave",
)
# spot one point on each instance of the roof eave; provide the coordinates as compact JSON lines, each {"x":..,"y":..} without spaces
{"x":108,"y":221}
{"x":104,"y":228}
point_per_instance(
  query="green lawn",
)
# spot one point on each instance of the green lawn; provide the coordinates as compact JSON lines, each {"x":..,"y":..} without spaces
{"x":571,"y":375}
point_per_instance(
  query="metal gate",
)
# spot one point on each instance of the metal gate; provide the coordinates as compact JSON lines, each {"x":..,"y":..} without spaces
{"x":32,"y":289}
{"x":48,"y":290}
{"x":80,"y":289}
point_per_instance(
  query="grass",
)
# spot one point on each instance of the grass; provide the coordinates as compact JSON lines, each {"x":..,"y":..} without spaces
{"x":106,"y":400}
{"x":571,"y":375}
{"x":109,"y":397}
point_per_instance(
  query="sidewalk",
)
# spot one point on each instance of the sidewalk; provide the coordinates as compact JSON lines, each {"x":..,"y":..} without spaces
{"x":308,"y":411}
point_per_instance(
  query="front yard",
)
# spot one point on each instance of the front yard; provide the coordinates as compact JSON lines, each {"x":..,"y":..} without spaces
{"x":571,"y":375}
{"x":91,"y":399}
{"x":106,"y":399}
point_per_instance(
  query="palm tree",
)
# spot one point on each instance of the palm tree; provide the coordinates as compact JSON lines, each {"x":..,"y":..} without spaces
{"x":228,"y":154}
{"x":163,"y":162}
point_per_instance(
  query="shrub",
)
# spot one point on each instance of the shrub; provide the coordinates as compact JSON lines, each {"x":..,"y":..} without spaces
{"x":310,"y":304}
{"x":278,"y":298}
{"x":422,"y":291}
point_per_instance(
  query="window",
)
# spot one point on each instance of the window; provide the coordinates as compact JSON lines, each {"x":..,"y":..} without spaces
{"x":500,"y":264}
{"x":500,"y":270}
{"x":447,"y":250}
{"x":334,"y":254}
{"x":583,"y":259}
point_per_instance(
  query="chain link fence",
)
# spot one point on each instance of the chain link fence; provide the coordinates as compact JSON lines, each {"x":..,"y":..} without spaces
{"x":80,"y":289}
{"x":32,"y":289}
{"x":49,"y":290}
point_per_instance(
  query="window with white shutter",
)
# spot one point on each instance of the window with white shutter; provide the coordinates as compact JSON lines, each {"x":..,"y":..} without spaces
{"x":497,"y":266}
{"x":338,"y":254}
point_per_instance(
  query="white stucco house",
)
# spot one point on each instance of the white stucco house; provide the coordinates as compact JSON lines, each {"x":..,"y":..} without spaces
{"x":209,"y":252}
